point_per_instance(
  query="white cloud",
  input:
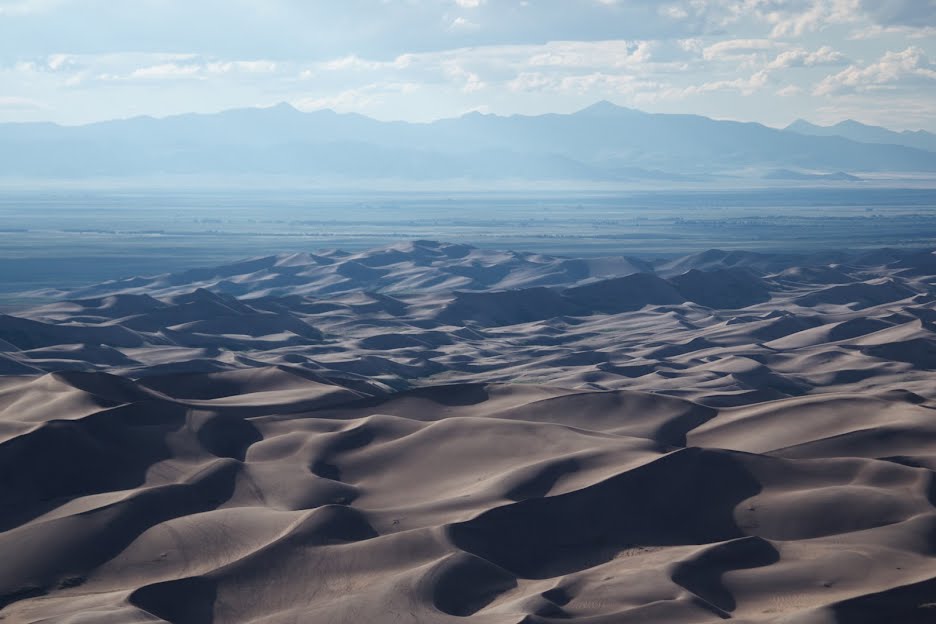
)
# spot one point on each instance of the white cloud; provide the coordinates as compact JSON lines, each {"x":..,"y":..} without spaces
{"x":744,"y":86}
{"x":351,"y":62}
{"x":463,"y":23}
{"x":910,"y":66}
{"x":470,"y":81}
{"x":876,"y":31}
{"x":163,"y":71}
{"x":798,"y":57}
{"x":60,"y":61}
{"x":815,"y":17}
{"x":350,"y":100}
{"x":736,"y":48}
{"x":606,"y":54}
{"x":483,"y":109}
{"x":786,"y":18}
{"x":115,"y":68}
{"x":790,"y":91}
{"x":795,"y":18}
{"x":579,"y":84}
{"x":247,"y":67}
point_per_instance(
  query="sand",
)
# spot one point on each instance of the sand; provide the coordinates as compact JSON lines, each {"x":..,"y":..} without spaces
{"x":430,"y":432}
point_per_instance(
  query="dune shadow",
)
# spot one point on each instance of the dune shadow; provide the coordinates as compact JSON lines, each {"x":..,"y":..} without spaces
{"x":65,"y":459}
{"x":908,"y":604}
{"x":686,"y":497}
{"x":183,"y":601}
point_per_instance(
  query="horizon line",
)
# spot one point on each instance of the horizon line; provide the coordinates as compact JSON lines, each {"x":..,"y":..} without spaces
{"x":291,"y":105}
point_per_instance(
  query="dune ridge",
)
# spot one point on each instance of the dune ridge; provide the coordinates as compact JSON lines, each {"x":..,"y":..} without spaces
{"x":722,"y":328}
{"x":724,"y":436}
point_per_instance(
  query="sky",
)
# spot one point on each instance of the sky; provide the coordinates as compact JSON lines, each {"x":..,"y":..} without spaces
{"x":770,"y":61}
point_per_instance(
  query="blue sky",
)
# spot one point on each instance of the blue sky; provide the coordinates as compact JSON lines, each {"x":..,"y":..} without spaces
{"x":74,"y":61}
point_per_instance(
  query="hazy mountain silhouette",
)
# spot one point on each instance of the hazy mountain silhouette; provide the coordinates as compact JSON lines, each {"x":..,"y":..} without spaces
{"x":601,"y":142}
{"x":857,"y":131}
{"x":786,"y":174}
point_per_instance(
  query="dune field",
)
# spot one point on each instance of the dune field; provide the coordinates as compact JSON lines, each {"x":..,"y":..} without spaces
{"x":430,"y":432}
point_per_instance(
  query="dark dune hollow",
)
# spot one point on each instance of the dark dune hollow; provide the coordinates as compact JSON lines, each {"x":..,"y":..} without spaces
{"x":510,"y":440}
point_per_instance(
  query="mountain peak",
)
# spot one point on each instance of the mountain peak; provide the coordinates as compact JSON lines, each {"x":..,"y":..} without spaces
{"x":603,"y":107}
{"x":864,"y":133}
{"x":801,"y":124}
{"x":283,"y":107}
{"x":851,"y":123}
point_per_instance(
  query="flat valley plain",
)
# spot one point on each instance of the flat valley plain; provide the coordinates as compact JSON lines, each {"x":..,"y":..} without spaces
{"x":68,"y":238}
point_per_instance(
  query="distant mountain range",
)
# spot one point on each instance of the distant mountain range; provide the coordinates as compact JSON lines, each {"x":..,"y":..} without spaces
{"x":603,"y":142}
{"x":856,"y":131}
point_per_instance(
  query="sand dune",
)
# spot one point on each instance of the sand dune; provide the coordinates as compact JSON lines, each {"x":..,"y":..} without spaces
{"x":728,"y":288}
{"x":509,"y":438}
{"x":640,"y":331}
{"x":423,"y":266}
{"x":490,"y":501}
